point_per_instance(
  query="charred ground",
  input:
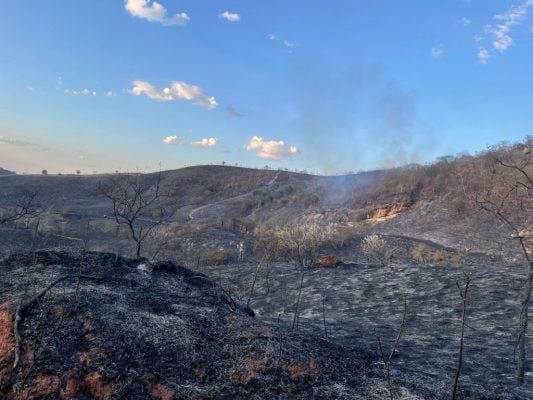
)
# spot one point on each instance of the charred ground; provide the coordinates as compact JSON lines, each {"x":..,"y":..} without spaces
{"x":174,"y":333}
{"x":161,"y":332}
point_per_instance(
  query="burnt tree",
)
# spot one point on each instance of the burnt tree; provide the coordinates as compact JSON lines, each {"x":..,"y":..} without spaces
{"x":136,"y":204}
{"x":25,"y":207}
{"x":507,"y":193}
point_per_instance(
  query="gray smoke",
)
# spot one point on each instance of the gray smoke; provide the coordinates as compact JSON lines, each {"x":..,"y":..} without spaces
{"x":356,"y":118}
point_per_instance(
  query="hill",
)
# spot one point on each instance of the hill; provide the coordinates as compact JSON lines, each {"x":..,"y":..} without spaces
{"x":6,"y":172}
{"x":95,"y":326}
{"x":429,"y":203}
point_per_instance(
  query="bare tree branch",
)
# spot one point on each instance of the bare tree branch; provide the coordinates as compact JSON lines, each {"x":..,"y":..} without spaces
{"x":135,"y":205}
{"x":25,"y":208}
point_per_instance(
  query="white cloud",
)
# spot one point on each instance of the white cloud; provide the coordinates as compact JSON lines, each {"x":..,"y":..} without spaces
{"x":83,"y":92}
{"x":501,"y":32}
{"x":271,"y":149}
{"x":205,"y":143}
{"x":289,"y":45}
{"x":176,"y":91}
{"x":30,"y":88}
{"x":154,"y":12}
{"x":464,"y":21}
{"x":110,"y":94}
{"x":437,"y":52}
{"x":173,"y":139}
{"x":232,"y":17}
{"x":483,"y":55}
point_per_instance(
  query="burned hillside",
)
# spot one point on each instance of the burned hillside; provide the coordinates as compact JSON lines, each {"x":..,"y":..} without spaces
{"x":94,"y":326}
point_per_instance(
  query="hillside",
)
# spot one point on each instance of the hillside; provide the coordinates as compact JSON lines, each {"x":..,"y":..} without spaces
{"x":112,"y":329}
{"x":5,"y":172}
{"x":428,"y":203}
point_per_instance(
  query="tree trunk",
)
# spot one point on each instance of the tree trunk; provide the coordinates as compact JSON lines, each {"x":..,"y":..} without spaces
{"x":295,"y":319}
{"x":524,"y":322}
{"x":521,"y":351}
{"x":253,"y":283}
{"x":138,"y":252}
{"x":464,"y":296}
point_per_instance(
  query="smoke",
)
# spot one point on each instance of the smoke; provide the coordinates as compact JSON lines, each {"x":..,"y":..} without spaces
{"x":356,"y":118}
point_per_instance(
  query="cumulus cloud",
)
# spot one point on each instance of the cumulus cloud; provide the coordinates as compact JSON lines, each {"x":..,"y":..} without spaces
{"x":154,"y":12}
{"x":205,"y":143}
{"x":271,"y":149}
{"x":501,"y":30}
{"x":232,"y":17}
{"x":176,"y":91}
{"x":173,"y":139}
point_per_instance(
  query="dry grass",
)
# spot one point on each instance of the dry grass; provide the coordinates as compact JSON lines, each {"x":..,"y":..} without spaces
{"x":420,"y":254}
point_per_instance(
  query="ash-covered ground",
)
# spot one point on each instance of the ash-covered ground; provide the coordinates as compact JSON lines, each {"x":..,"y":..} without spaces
{"x":112,"y":329}
{"x":358,"y":301}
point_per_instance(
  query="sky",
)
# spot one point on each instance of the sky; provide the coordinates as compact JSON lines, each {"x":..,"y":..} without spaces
{"x":329,"y":87}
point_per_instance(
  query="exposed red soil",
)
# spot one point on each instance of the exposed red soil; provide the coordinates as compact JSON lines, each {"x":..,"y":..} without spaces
{"x":7,"y":342}
{"x":157,"y":390}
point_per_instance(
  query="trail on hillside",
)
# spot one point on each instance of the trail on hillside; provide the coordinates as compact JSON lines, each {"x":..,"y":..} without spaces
{"x":190,"y":217}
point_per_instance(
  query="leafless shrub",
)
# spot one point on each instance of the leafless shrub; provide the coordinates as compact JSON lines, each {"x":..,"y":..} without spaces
{"x":387,"y":359}
{"x":136,"y":205}
{"x":300,"y":243}
{"x":505,"y":190}
{"x":377,"y":249}
{"x":25,"y":208}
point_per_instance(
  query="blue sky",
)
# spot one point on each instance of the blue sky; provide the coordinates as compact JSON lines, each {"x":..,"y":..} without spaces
{"x":325,"y":86}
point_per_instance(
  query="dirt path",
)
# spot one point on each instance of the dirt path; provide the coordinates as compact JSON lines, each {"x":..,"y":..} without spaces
{"x":190,"y":217}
